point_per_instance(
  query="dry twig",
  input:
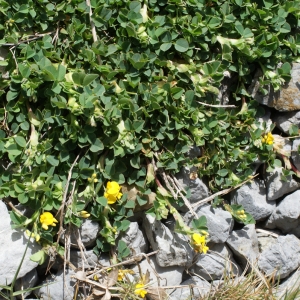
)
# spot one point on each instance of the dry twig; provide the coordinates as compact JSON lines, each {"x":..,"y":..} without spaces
{"x":223,"y":192}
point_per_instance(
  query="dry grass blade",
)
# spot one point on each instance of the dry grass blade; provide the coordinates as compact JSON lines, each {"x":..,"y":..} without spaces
{"x":112,"y":278}
{"x":255,"y":286}
{"x":156,"y":293}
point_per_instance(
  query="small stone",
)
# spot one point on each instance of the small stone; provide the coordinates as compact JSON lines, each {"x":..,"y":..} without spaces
{"x":58,"y":286}
{"x":200,"y":289}
{"x":174,"y":249}
{"x":219,"y":222}
{"x":288,"y":286}
{"x":285,"y":120}
{"x":276,"y":187}
{"x":196,"y":186}
{"x":26,"y":282}
{"x":194,"y":152}
{"x":282,"y":257}
{"x":253,"y":198}
{"x":13,"y":244}
{"x":265,"y":240}
{"x":88,"y":261}
{"x":134,"y":239}
{"x":286,"y":99}
{"x":215,"y":263}
{"x":88,"y":234}
{"x":168,"y":276}
{"x":295,"y":153}
{"x":244,"y":245}
{"x":286,"y":215}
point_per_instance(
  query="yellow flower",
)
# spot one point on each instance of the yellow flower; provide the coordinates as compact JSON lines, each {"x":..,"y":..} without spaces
{"x":112,"y":193}
{"x":33,"y":235}
{"x":199,"y":243}
{"x":47,"y":219}
{"x":268,"y":139}
{"x":241,"y":214}
{"x":121,"y":273}
{"x":139,"y":290}
{"x":84,"y":214}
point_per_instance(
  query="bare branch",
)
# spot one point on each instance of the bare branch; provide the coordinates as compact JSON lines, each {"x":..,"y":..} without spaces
{"x":94,"y":33}
{"x":213,"y":105}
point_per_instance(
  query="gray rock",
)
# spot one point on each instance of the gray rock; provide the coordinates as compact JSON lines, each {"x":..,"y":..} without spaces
{"x":196,"y":186}
{"x":88,"y":234}
{"x":219,"y":222}
{"x":89,"y":259}
{"x":286,"y":99}
{"x":265,"y":239}
{"x":253,"y":198}
{"x":194,"y":152}
{"x":286,"y":215}
{"x":199,"y":287}
{"x":288,"y":286}
{"x":285,"y":120}
{"x":282,"y":257}
{"x":295,"y":153}
{"x":166,"y":275}
{"x":13,"y":244}
{"x":276,"y":187}
{"x":58,"y":286}
{"x":26,"y":282}
{"x":215,"y":263}
{"x":265,"y":122}
{"x":174,"y":249}
{"x":244,"y":245}
{"x":134,"y":239}
{"x":224,"y":89}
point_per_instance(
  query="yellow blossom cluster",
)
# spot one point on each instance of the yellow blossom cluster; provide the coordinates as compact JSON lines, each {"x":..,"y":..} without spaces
{"x":112,"y":193}
{"x":123,"y":272}
{"x":84,"y":214}
{"x":199,"y":243}
{"x":33,"y":235}
{"x":47,"y":219}
{"x":268,"y":139}
{"x":241,"y":214}
{"x":93,"y":178}
{"x":139,"y":290}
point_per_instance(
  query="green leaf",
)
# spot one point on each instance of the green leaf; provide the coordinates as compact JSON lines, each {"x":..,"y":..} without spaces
{"x":123,"y":250}
{"x":222,"y":172}
{"x":89,"y":78}
{"x":20,"y":141}
{"x":24,"y":70}
{"x":61,"y":72}
{"x":97,"y":146}
{"x":165,"y":46}
{"x":138,"y":125}
{"x":130,"y":204}
{"x":39,"y":257}
{"x":52,"y":160}
{"x":182,"y":45}
{"x":102,"y":201}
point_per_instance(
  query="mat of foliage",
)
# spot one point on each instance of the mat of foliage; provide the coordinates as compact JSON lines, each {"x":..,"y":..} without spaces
{"x":103,"y":94}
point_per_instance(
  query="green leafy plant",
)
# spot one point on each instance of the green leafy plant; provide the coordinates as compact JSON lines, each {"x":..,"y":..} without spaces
{"x":90,"y":93}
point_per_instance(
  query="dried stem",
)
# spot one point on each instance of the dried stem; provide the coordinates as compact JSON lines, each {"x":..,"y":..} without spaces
{"x":135,"y":259}
{"x":35,"y":37}
{"x":267,"y":232}
{"x":95,"y":38}
{"x":223,"y":192}
{"x":215,"y":105}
